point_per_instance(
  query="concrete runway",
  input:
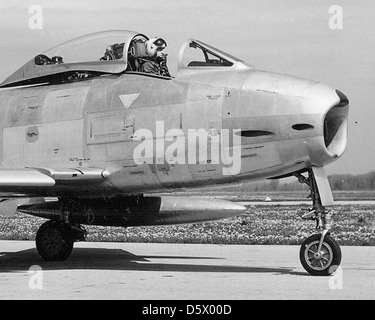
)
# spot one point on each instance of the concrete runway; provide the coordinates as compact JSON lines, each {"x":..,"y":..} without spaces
{"x":180,"y":272}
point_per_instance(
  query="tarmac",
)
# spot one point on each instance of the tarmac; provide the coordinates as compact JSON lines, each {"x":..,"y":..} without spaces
{"x":146,"y":271}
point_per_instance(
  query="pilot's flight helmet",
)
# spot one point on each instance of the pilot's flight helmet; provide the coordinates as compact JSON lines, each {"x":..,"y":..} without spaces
{"x":155,"y":47}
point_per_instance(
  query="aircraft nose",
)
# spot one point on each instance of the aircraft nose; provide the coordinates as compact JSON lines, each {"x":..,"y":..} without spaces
{"x":333,"y":107}
{"x":297,"y":110}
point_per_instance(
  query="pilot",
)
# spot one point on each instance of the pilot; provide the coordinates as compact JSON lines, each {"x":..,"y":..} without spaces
{"x":156,"y":59}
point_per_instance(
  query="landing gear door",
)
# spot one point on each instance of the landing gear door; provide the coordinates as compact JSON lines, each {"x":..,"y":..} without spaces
{"x":324,"y":187}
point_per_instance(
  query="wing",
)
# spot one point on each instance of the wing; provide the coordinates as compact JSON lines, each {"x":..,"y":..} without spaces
{"x":31,"y":182}
{"x":24,"y":178}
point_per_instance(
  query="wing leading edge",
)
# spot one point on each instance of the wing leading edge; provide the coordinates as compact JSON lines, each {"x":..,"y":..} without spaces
{"x":24,"y":178}
{"x":20,"y":182}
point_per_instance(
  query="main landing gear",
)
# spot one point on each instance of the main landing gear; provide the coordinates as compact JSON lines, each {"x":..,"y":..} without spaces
{"x":55,"y":238}
{"x":320,"y":254}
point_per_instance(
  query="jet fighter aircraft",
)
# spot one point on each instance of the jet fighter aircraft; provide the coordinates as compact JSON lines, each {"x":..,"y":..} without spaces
{"x":86,"y":124}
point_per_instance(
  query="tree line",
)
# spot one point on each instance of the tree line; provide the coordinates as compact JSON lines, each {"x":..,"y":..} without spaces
{"x":353,"y":182}
{"x":338,"y":182}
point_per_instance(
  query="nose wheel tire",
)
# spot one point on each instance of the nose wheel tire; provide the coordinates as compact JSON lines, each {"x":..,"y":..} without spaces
{"x":52,"y":242}
{"x":323,"y":262}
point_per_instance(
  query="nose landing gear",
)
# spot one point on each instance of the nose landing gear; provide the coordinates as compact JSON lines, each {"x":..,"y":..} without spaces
{"x":320,"y":254}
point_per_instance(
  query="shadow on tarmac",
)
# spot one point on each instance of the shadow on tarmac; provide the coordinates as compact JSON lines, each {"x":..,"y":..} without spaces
{"x":117,"y":259}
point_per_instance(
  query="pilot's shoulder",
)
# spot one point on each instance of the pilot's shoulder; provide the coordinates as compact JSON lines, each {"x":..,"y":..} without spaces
{"x":150,"y":66}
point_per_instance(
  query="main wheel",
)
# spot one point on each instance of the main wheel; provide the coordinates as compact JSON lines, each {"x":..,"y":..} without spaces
{"x":53,"y":243}
{"x":320,"y":263}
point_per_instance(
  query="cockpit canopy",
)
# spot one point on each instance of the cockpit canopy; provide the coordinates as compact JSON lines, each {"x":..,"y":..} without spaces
{"x":94,"y":54}
{"x":109,"y":52}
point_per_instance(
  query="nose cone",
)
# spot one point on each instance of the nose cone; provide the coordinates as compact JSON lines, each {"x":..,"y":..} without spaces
{"x":333,"y":106}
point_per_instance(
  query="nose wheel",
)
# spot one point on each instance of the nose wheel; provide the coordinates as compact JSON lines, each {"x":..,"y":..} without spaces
{"x":320,"y":259}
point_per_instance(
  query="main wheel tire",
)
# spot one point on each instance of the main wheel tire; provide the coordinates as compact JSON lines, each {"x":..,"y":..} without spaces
{"x":52,"y":242}
{"x":323,"y":263}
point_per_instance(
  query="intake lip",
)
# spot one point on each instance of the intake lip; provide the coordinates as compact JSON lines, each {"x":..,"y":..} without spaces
{"x":331,"y":109}
{"x":336,"y":126}
{"x":344,"y":101}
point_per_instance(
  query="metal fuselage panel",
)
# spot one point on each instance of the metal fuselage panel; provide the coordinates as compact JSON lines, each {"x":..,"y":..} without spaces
{"x":94,"y":124}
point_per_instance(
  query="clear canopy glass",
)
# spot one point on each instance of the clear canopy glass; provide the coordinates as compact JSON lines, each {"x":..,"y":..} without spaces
{"x":103,"y":52}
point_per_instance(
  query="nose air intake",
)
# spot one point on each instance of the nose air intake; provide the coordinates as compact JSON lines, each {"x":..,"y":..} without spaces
{"x":336,"y":126}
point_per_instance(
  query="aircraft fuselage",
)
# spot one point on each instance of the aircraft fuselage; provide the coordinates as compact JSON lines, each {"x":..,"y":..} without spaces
{"x":284,"y":124}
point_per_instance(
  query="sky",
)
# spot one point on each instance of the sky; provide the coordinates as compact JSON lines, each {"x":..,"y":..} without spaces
{"x":290,"y":36}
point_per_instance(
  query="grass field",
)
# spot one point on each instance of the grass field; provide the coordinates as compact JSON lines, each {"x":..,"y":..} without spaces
{"x":354,"y":224}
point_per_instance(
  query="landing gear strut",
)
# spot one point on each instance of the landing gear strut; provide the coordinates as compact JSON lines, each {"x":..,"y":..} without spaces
{"x":320,"y":254}
{"x":55,"y":238}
